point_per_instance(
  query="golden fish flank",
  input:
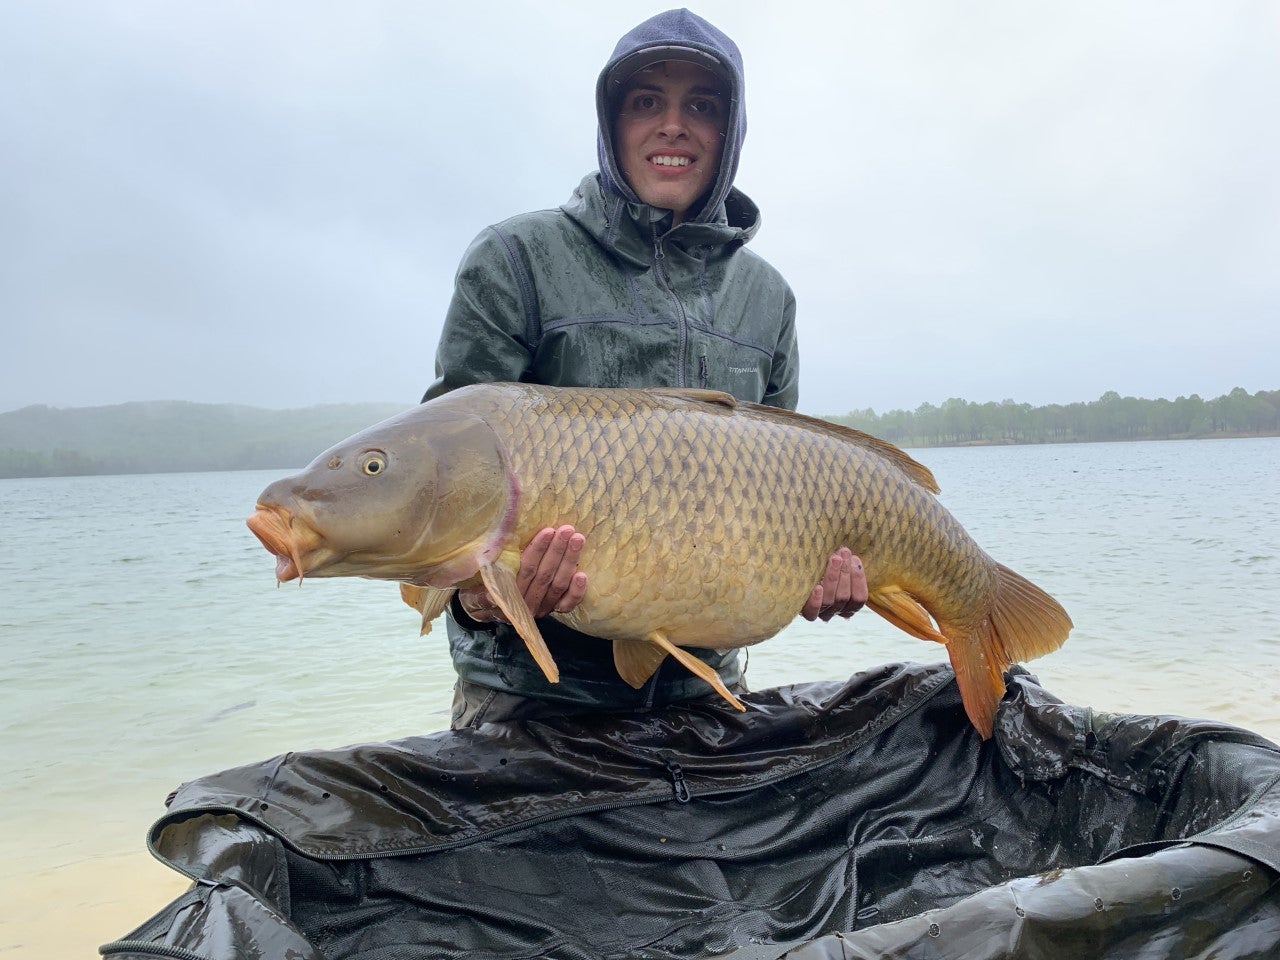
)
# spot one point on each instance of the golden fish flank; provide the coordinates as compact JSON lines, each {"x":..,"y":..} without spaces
{"x":708,"y":521}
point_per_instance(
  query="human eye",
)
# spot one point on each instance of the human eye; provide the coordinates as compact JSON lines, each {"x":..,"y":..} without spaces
{"x":643,"y":103}
{"x":706,"y":107}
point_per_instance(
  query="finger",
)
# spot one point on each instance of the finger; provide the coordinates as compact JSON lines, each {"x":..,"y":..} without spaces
{"x":538,"y":563}
{"x":563,"y":577}
{"x":813,"y":605}
{"x":540,"y":594}
{"x":859,"y":591}
{"x":830,"y":577}
{"x":531,"y":557}
{"x":478,"y":605}
{"x":838,"y":583}
{"x":841,"y":595}
{"x":573,"y":595}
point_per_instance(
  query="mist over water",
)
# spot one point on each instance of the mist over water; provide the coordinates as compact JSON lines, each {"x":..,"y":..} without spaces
{"x":145,"y":642}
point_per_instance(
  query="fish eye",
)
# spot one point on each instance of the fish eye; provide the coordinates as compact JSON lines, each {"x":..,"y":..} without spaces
{"x":373,"y":464}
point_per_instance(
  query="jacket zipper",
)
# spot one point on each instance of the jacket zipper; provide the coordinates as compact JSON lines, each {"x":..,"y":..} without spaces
{"x":679,"y":786}
{"x":682,"y":324}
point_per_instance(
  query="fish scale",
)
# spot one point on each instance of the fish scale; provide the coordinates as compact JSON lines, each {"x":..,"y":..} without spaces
{"x":707,"y":521}
{"x":738,"y":484}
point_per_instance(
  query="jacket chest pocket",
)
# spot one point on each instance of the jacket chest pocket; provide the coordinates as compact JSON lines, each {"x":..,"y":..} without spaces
{"x":722,"y":363}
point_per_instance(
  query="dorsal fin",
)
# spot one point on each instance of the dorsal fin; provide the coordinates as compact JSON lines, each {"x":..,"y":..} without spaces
{"x":895,"y":455}
{"x":718,"y":397}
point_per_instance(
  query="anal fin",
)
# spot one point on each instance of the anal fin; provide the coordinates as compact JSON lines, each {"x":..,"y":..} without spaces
{"x":904,"y":612}
{"x":697,"y":667}
{"x":501,"y":584}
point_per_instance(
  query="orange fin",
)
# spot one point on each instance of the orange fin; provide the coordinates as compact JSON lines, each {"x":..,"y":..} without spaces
{"x":1024,"y":622}
{"x":697,"y":667}
{"x":904,"y":612}
{"x":428,"y":601}
{"x":637,"y":661}
{"x":501,"y":584}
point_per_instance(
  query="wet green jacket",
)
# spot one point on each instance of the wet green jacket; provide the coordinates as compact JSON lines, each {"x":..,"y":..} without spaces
{"x":601,"y":292}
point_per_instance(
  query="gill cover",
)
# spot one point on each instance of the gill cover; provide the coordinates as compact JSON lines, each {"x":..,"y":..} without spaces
{"x":475,"y":498}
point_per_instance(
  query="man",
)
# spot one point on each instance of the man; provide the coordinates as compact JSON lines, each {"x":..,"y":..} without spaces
{"x":640,"y":280}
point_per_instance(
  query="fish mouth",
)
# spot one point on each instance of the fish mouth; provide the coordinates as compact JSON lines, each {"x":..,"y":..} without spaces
{"x":287,"y":537}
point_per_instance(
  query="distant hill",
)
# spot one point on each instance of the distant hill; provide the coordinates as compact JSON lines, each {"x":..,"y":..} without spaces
{"x":181,"y":437}
{"x":173,"y":437}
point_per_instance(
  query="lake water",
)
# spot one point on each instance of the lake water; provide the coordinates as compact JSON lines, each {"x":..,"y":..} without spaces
{"x":145,"y":642}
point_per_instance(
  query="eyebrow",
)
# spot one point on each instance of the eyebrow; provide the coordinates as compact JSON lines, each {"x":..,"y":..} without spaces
{"x":657,"y":88}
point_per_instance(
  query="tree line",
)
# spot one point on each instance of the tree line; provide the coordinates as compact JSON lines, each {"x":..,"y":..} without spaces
{"x":1111,"y":417}
{"x":172,"y":437}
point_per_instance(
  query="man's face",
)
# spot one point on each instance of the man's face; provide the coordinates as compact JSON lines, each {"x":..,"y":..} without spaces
{"x":669,"y":133}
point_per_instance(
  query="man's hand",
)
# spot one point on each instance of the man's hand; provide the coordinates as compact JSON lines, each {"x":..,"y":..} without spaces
{"x":843,"y":589}
{"x":549,"y":578}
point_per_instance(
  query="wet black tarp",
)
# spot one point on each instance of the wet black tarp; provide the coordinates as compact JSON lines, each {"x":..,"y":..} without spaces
{"x":864,"y":819}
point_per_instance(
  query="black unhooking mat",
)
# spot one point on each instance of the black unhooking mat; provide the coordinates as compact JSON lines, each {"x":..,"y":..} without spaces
{"x":855,"y":820}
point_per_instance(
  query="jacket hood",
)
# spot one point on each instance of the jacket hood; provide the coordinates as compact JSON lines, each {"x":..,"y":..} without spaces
{"x":674,"y":35}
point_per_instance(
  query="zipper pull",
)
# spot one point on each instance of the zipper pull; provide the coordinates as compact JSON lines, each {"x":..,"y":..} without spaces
{"x":702,"y":371}
{"x":657,"y":245}
{"x":679,"y":786}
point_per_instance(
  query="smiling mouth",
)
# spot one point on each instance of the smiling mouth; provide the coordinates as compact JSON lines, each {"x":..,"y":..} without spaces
{"x":666,"y":160}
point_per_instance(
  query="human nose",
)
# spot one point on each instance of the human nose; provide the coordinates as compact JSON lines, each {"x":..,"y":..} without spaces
{"x":672,"y":122}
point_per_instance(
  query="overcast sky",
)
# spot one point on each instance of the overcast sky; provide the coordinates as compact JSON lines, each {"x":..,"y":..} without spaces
{"x":265,"y":202}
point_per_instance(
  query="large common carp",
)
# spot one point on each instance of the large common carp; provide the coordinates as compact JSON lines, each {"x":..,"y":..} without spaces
{"x":707,"y":522}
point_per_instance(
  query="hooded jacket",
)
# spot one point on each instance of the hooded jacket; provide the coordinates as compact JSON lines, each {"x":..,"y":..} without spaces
{"x":604,"y":292}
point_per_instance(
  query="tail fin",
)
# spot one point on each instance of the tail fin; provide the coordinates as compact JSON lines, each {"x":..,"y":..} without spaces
{"x":1025,"y":622}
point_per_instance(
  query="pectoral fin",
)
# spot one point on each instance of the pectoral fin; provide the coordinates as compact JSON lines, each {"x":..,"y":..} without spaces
{"x":428,"y":601}
{"x":501,"y":584}
{"x":904,"y":612}
{"x":637,"y":661}
{"x":695,"y":665}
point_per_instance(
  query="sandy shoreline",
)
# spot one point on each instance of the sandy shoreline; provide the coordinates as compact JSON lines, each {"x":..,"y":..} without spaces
{"x":70,"y":910}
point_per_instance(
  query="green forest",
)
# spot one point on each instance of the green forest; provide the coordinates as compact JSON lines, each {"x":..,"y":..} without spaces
{"x":1111,"y":417}
{"x":180,"y":437}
